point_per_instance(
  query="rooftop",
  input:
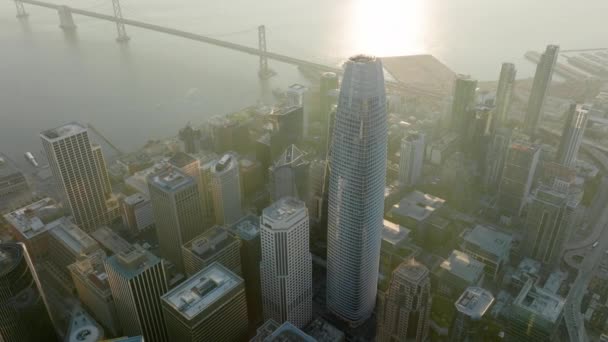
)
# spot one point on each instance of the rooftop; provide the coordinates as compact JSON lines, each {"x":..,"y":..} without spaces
{"x":463,"y":266}
{"x":200,"y":291}
{"x":72,"y":236}
{"x":170,"y":180}
{"x":132,"y":262}
{"x":412,"y":270}
{"x":287,"y":332}
{"x":265,"y":330}
{"x":362,"y":58}
{"x":226,"y":162}
{"x":322,"y":331}
{"x":540,"y":302}
{"x":92,"y":270}
{"x":83,"y":328}
{"x":181,"y":159}
{"x":292,"y":156}
{"x":66,"y":130}
{"x":489,"y":240}
{"x":394,"y":233}
{"x":247,"y":228}
{"x":208,"y":243}
{"x":32,"y":219}
{"x":474,"y":302}
{"x":135,"y":199}
{"x":417,"y":205}
{"x":110,"y":240}
{"x":283,"y":209}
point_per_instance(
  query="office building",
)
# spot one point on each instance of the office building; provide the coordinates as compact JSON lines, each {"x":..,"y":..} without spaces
{"x":30,"y":225}
{"x":517,"y":177}
{"x":289,"y":175}
{"x":288,"y":123}
{"x":413,"y":210}
{"x":534,"y":315}
{"x":295,"y":94}
{"x":11,"y":179}
{"x":100,"y":162}
{"x":407,"y":308}
{"x":226,"y":189}
{"x":177,"y":212}
{"x":110,"y":241}
{"x":247,"y":230}
{"x":356,"y":190}
{"x":411,"y":159}
{"x":470,"y":309}
{"x":93,"y":289}
{"x":215,"y":244}
{"x":137,"y":280}
{"x":206,"y":164}
{"x":463,"y":106}
{"x":231,"y":132}
{"x":24,"y":314}
{"x":488,"y":246}
{"x":78,"y":173}
{"x":322,"y":331}
{"x":187,"y":164}
{"x":496,"y":155}
{"x":67,"y":244}
{"x":191,"y":138}
{"x":504,"y":93}
{"x":265,"y":330}
{"x":572,"y":135}
{"x":456,"y":273}
{"x":549,"y":223}
{"x":328,"y":84}
{"x":137,"y":213}
{"x":83,"y":328}
{"x":540,"y":88}
{"x":289,"y":332}
{"x":209,"y":306}
{"x":286,"y":266}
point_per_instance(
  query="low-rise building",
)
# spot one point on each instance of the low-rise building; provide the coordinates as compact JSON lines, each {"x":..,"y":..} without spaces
{"x":456,"y":273}
{"x":415,"y":208}
{"x":488,"y":246}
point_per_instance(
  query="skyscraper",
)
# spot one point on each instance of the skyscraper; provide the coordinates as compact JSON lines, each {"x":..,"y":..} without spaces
{"x":137,"y":280}
{"x":209,"y":306}
{"x":226,"y":189}
{"x":76,"y":169}
{"x":463,"y":106}
{"x":177,"y":212}
{"x":407,"y":307}
{"x":517,"y":177}
{"x":286,"y":266}
{"x":572,"y":135}
{"x":504,"y":92}
{"x":289,"y":175}
{"x":24,"y":315}
{"x":540,"y":87}
{"x":495,"y":158}
{"x":214,"y":245}
{"x":548,"y":224}
{"x":328,"y":83}
{"x":411,"y":159}
{"x":470,"y":309}
{"x":356,"y":190}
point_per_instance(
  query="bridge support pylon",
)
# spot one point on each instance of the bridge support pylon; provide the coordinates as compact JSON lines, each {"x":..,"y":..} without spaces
{"x":120,"y":26}
{"x":264,"y":71}
{"x":21,"y":13}
{"x":66,"y":21}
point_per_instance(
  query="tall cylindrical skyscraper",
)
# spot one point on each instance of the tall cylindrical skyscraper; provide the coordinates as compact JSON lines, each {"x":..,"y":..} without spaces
{"x":356,"y":190}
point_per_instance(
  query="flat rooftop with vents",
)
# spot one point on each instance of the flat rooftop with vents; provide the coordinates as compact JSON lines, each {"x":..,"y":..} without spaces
{"x":202,"y":290}
{"x":417,"y":206}
{"x":63,"y":131}
{"x":474,"y":302}
{"x":132,"y":262}
{"x":32,"y":219}
{"x":170,"y":180}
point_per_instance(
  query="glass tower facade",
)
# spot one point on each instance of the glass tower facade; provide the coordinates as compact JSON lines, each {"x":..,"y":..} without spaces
{"x":356,"y":191}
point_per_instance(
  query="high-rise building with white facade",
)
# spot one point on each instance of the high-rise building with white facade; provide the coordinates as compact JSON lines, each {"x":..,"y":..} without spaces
{"x":470,"y":309}
{"x":286,"y":266}
{"x":137,"y":280}
{"x":356,"y":190}
{"x":226,"y":190}
{"x":78,"y":173}
{"x":177,"y":212}
{"x":411,"y":159}
{"x":572,"y":135}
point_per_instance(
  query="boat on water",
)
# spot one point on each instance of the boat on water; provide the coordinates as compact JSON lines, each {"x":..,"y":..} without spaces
{"x":30,"y":158}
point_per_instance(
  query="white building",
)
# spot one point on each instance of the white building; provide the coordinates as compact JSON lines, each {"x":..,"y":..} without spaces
{"x":411,"y":159}
{"x":226,"y":190}
{"x":286,"y":266}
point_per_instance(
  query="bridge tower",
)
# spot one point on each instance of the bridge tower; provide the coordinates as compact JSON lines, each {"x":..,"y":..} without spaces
{"x":66,"y":20}
{"x":264,"y":72}
{"x":120,"y":25}
{"x":21,"y":13}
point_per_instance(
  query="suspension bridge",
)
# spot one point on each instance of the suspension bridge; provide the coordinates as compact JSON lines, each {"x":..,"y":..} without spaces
{"x":66,"y":22}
